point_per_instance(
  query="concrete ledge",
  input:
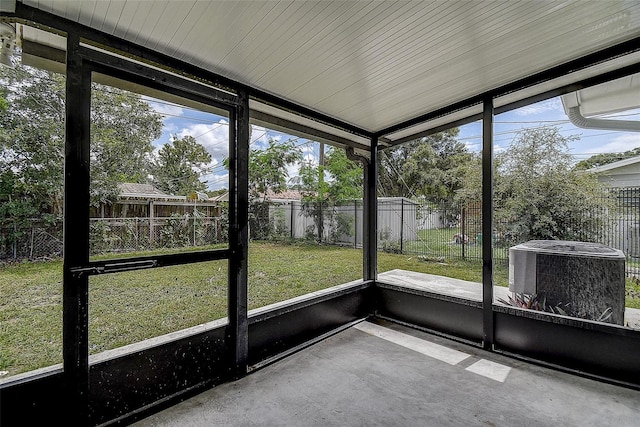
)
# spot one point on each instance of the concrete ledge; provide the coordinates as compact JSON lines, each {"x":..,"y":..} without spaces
{"x":440,"y":284}
{"x":471,"y":291}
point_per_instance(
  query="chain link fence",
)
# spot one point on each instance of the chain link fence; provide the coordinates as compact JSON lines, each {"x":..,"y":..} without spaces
{"x":34,"y":240}
{"x":111,"y":235}
{"x":30,"y":239}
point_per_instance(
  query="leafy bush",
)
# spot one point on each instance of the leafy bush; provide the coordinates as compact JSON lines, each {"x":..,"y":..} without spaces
{"x":174,"y":232}
{"x":391,"y":247}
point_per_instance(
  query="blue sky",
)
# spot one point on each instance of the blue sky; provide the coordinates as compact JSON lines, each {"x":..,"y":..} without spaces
{"x":550,"y":113}
{"x":212,"y":132}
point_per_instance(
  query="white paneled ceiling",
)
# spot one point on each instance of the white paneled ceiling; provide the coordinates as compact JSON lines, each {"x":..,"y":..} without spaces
{"x":370,"y":63}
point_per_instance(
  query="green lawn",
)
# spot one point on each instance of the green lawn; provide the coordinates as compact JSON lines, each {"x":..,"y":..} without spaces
{"x":440,"y":242}
{"x":131,"y":306}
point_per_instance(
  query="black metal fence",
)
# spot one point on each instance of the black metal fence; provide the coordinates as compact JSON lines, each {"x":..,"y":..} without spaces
{"x":455,"y":232}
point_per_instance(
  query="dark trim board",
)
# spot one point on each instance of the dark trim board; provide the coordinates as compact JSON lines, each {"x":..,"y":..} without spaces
{"x":291,"y":325}
{"x":124,"y":385}
{"x":127,"y":384}
{"x":34,"y":400}
{"x":596,"y":353}
{"x":452,"y":316}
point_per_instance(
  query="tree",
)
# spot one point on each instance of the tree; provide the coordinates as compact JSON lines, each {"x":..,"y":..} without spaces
{"x":345,"y":176}
{"x":539,"y":195}
{"x":268,"y":167}
{"x":268,"y":170}
{"x":321,"y":193}
{"x":123,"y":127}
{"x":390,"y":170}
{"x":32,"y":140}
{"x":606,"y":158}
{"x":179,"y":165}
{"x":431,"y":168}
{"x":32,"y":143}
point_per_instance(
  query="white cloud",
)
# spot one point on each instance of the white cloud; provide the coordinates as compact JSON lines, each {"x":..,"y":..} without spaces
{"x":498,"y":148}
{"x":541,"y":107}
{"x":217,"y":180}
{"x":623,"y":142}
{"x":166,"y":109}
{"x":214,"y":137}
{"x":169,"y":127}
{"x":293,"y":170}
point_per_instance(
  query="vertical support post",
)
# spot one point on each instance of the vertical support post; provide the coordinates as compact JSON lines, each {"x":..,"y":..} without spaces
{"x":75,"y":336}
{"x":355,"y":224}
{"x":463,"y":230}
{"x":151,"y":222}
{"x":370,"y":215}
{"x":291,"y":204}
{"x":487,"y":224}
{"x":401,"y":225}
{"x":239,"y":135}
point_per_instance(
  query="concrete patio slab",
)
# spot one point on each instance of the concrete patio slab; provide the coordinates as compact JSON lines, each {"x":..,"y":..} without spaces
{"x":358,"y":379}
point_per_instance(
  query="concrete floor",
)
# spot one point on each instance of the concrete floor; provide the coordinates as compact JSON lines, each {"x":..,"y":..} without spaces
{"x":388,"y":375}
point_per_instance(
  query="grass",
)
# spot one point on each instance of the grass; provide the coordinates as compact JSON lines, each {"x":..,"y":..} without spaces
{"x":131,"y":306}
{"x":440,"y":242}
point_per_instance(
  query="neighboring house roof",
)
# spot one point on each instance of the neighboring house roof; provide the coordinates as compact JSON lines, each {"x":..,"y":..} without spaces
{"x":221,"y":198}
{"x":620,"y":174}
{"x":129,"y":190}
{"x":284,"y":195}
{"x":616,"y":165}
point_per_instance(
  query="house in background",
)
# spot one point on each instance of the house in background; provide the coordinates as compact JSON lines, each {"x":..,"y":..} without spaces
{"x":143,"y":217}
{"x":623,"y":178}
{"x":146,"y":201}
{"x":623,"y":173}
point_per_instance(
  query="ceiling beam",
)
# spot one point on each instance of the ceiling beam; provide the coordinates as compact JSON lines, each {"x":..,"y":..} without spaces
{"x":621,"y":49}
{"x":43,"y":19}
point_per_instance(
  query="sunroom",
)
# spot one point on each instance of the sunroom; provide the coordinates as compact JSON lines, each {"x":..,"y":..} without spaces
{"x":470,"y":215}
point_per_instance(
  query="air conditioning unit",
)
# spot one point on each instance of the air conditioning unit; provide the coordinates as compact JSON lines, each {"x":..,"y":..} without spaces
{"x":589,"y":277}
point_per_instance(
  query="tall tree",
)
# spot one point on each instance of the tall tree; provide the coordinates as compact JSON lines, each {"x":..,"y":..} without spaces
{"x":268,"y":170}
{"x":32,"y":138}
{"x":320,"y":195}
{"x":345,"y":176}
{"x":268,"y":167}
{"x":179,"y":165}
{"x":123,"y":127}
{"x":539,"y":195}
{"x":431,"y":168}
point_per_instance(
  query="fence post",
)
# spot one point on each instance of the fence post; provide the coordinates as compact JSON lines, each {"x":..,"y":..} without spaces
{"x":401,"y":225}
{"x":463,"y":231}
{"x":291,"y":227}
{"x":151,"y":222}
{"x":355,"y":224}
{"x":15,"y":240}
{"x":33,"y":231}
